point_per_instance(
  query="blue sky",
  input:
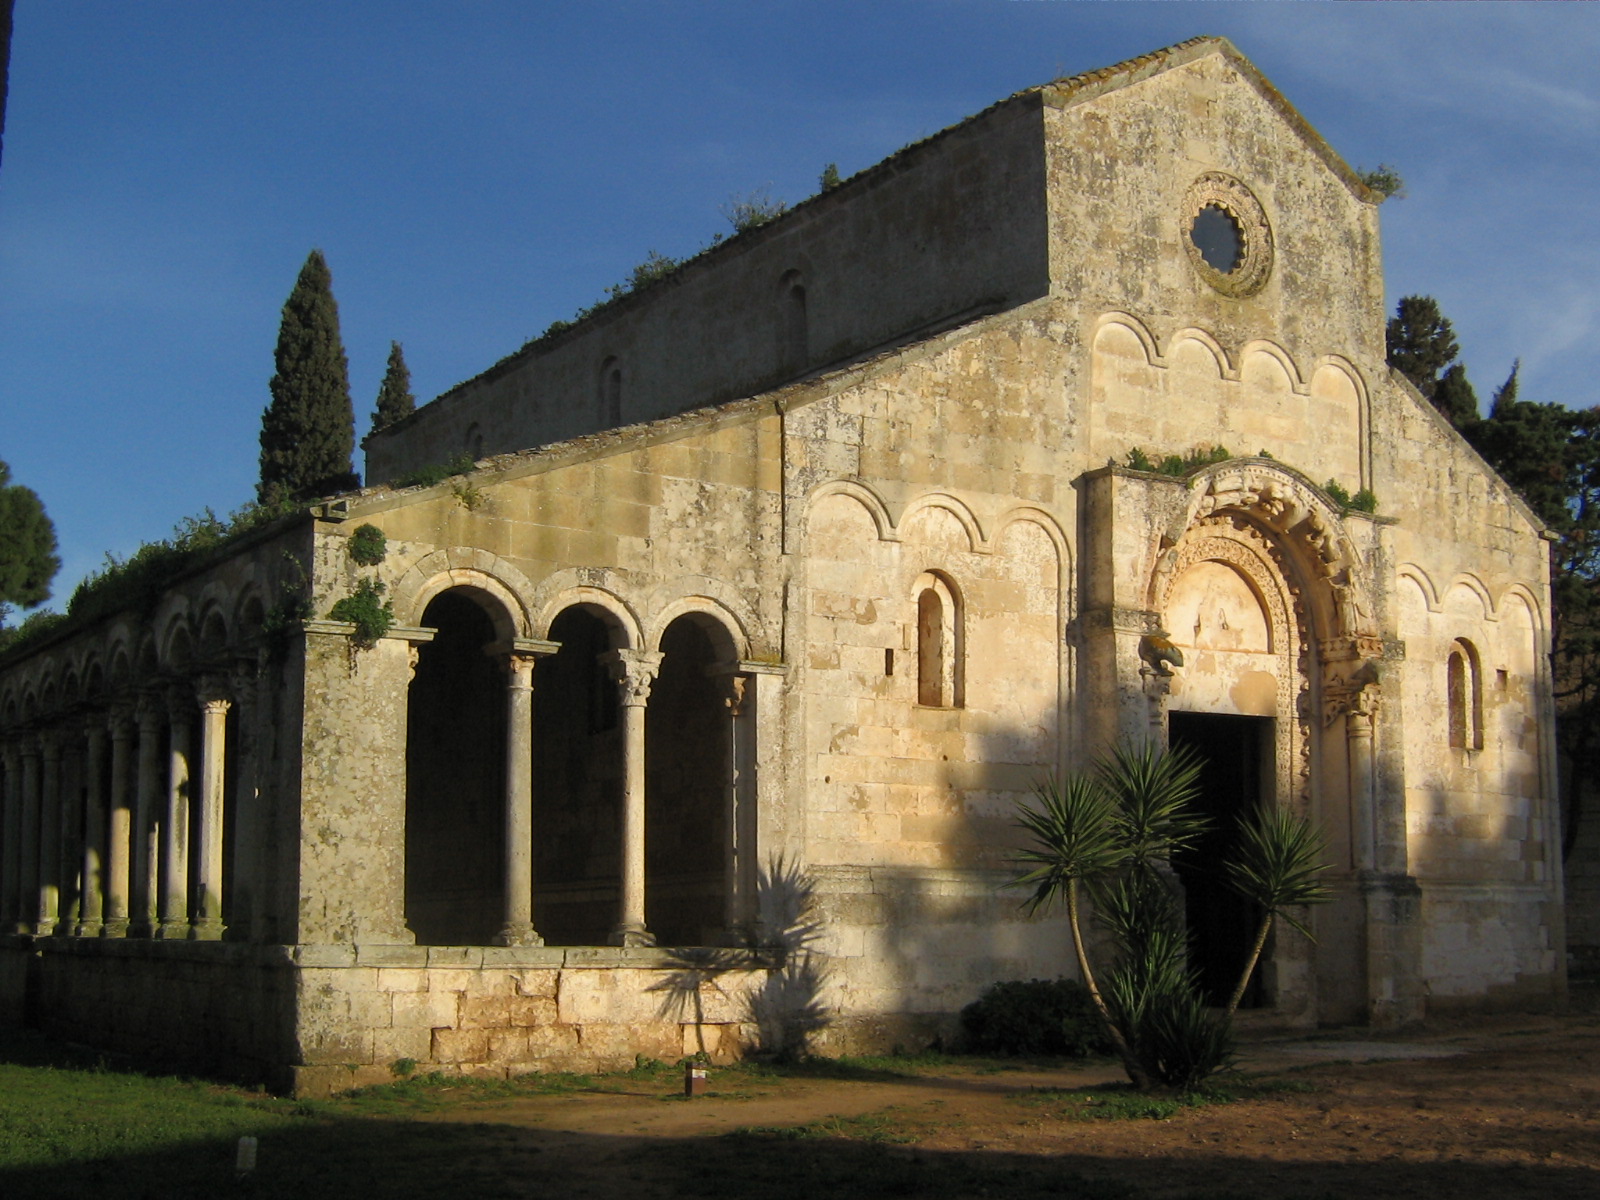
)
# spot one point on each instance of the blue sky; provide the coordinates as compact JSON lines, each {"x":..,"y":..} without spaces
{"x":475,"y":170}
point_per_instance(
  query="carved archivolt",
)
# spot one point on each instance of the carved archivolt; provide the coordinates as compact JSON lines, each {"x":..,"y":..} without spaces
{"x":1282,"y":502}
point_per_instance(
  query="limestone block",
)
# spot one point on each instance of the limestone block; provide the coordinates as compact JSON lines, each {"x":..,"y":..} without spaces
{"x":425,"y":1010}
{"x":484,"y":1012}
{"x":524,"y":1011}
{"x":460,"y":1046}
{"x":402,"y":979}
{"x":537,"y":983}
{"x":609,"y":997}
{"x":391,"y":1045}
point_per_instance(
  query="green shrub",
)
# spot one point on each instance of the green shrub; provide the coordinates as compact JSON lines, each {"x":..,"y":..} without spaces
{"x":372,"y":618}
{"x":368,"y":546}
{"x":1034,"y":1016}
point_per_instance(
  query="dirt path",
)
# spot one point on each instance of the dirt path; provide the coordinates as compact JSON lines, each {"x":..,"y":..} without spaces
{"x":1500,"y":1108}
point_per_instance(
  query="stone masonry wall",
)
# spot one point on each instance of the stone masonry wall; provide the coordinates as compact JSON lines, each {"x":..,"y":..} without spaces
{"x":495,"y":1012}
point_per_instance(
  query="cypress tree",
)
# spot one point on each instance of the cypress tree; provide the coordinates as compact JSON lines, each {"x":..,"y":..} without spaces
{"x":308,"y":431}
{"x":394,"y":395}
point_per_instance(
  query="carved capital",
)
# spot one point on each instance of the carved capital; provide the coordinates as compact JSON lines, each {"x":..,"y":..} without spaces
{"x":1352,"y":692}
{"x":633,"y":671}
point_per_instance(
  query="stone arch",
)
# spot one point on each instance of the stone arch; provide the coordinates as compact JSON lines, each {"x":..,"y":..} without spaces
{"x":608,"y":391}
{"x":1422,"y":581}
{"x":794,"y":332}
{"x":1110,"y":324}
{"x":441,"y":570}
{"x":1469,"y":583}
{"x":940,"y":639}
{"x":943,"y":501}
{"x":1223,"y":365}
{"x":625,"y":630}
{"x":870,"y":500}
{"x":1259,"y":348}
{"x":691,"y":806}
{"x":1306,"y":530}
{"x":456,"y":764}
{"x":176,"y":643}
{"x":1231,"y":602}
{"x":733,"y":631}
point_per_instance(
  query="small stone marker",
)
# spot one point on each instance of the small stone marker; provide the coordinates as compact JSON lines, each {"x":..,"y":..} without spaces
{"x":245,"y":1161}
{"x":694,"y":1079}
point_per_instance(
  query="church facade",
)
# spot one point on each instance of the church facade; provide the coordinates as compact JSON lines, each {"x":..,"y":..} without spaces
{"x":712,"y":687}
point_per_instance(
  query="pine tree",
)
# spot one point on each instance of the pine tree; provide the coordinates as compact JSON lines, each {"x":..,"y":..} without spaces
{"x":308,"y":431}
{"x":394,"y":395}
{"x":28,"y":559}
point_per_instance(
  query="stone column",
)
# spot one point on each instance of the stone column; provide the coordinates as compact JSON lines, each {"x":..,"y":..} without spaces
{"x":739,"y":851}
{"x":120,"y":825}
{"x":91,"y":905}
{"x":27,"y":893}
{"x":10,"y":835}
{"x":518,"y":929}
{"x":1358,"y":736}
{"x":174,"y":872}
{"x":145,"y":867}
{"x":49,"y":847}
{"x":206,"y":925}
{"x":250,"y":835}
{"x":634,"y":671}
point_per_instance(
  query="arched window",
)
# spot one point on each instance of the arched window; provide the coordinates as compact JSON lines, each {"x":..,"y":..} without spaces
{"x":794,"y":349}
{"x":1464,"y":691}
{"x":473,"y":442}
{"x":939,"y":642}
{"x":611,"y":393}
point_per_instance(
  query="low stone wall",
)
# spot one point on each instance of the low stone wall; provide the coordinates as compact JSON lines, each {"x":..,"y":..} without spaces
{"x":208,"y":1007}
{"x":369,"y":1013}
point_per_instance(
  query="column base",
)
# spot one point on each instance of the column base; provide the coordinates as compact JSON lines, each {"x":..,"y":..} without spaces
{"x":87,"y":929}
{"x":114,"y":928}
{"x":172,"y":931}
{"x":206,"y":930}
{"x":632,"y":936}
{"x":43,"y":929}
{"x":518,"y":935}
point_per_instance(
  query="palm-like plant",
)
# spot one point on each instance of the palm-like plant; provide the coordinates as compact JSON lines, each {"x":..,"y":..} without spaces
{"x":1131,"y":813}
{"x":1075,"y":837}
{"x":1279,"y":866}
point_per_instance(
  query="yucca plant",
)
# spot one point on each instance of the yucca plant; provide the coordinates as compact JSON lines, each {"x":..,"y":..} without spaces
{"x":1112,"y":829}
{"x":1279,"y":867}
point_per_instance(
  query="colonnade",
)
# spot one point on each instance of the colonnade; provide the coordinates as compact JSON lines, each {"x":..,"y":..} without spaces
{"x":633,"y":672}
{"x":113,"y":815}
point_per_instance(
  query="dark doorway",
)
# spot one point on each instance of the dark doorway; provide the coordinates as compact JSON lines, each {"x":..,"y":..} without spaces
{"x":455,"y":779}
{"x":577,"y":786}
{"x":1236,"y":758}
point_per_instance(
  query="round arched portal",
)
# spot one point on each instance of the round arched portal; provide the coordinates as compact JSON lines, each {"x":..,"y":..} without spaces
{"x":455,"y":776}
{"x":1228,"y":609}
{"x":578,"y":764}
{"x":689,"y":779}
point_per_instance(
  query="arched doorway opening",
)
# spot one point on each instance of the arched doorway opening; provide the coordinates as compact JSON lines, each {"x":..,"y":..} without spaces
{"x":688,"y":773}
{"x":578,"y":764}
{"x":455,"y":777}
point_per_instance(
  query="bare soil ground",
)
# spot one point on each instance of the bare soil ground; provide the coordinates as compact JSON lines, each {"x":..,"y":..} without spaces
{"x":1504,"y":1107}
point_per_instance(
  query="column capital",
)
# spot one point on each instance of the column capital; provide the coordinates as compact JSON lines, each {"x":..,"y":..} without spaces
{"x":211,"y":693}
{"x":633,"y":671}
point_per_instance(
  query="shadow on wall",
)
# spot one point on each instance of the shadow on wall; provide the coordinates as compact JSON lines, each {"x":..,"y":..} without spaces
{"x":786,"y":1008}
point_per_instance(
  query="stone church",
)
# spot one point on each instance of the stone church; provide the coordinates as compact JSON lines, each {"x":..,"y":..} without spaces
{"x":712,"y":687}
